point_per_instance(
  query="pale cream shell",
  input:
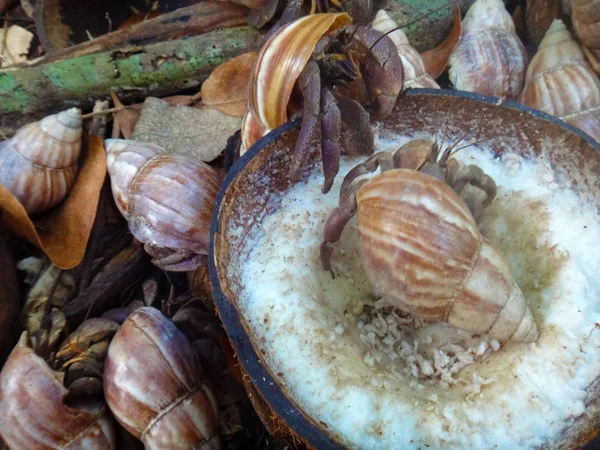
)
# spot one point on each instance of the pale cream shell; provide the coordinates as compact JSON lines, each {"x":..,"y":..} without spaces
{"x":489,"y":59}
{"x":560,"y":81}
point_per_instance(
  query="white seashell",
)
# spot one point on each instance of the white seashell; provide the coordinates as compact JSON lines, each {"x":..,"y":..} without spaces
{"x":489,"y":59}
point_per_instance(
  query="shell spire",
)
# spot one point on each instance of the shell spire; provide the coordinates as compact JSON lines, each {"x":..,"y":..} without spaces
{"x":124,"y":158}
{"x":39,"y":163}
{"x":560,"y":81}
{"x":489,"y":59}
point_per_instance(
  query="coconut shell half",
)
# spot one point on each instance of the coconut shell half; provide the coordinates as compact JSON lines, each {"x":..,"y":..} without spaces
{"x":250,"y":193}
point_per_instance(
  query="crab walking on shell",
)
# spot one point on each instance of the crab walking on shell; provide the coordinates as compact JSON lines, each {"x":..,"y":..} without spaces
{"x":342,"y":79}
{"x":420,"y":245}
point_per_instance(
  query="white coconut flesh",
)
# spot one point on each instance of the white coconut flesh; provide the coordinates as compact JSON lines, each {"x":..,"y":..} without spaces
{"x":379,"y":379}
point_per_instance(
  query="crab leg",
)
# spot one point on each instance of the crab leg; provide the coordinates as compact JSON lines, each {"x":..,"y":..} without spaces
{"x":331,"y":131}
{"x":357,"y":133}
{"x":475,"y":188}
{"x":381,"y":159}
{"x":334,"y":226}
{"x":310,"y":131}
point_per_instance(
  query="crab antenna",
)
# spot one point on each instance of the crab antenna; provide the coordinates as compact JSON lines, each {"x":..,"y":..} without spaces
{"x":472,"y":143}
{"x":449,"y":151}
{"x":410,"y":23}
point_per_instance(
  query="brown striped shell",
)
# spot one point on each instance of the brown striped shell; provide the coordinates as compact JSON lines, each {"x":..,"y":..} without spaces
{"x":415,"y":74}
{"x":423,"y":253}
{"x":489,"y":59}
{"x":33,"y":413}
{"x":166,"y":198}
{"x":154,"y":385}
{"x":39,"y":163}
{"x":560,"y":81}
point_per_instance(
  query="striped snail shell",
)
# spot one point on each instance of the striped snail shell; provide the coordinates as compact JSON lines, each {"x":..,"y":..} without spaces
{"x":489,"y":59}
{"x":39,"y":163}
{"x":560,"y":81}
{"x":167,"y":199}
{"x":423,"y":253}
{"x":34,"y":414}
{"x":154,"y":385}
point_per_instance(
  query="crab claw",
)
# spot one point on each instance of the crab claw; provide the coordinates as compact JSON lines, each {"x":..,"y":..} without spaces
{"x":382,"y":69}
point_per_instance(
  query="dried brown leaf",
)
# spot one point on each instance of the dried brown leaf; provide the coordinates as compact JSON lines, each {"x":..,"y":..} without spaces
{"x":436,"y":59}
{"x":14,"y":45}
{"x":539,"y":15}
{"x":200,"y":132}
{"x":125,"y":119}
{"x":63,"y":233}
{"x":227,"y":86}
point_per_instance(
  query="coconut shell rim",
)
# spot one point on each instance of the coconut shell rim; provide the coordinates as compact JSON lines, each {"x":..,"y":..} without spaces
{"x":247,"y":354}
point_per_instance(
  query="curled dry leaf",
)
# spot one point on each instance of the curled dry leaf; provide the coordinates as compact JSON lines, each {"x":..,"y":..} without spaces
{"x":63,"y":233}
{"x":125,"y":119}
{"x":198,"y":132}
{"x":14,"y":45}
{"x":539,"y":15}
{"x":436,"y":59}
{"x":226,"y":89}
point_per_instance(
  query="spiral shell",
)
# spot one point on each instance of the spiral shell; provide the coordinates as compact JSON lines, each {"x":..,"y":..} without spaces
{"x":39,"y":163}
{"x":560,"y":82}
{"x":276,"y":70}
{"x":586,"y":21}
{"x":166,"y":198}
{"x":489,"y":59}
{"x":415,"y":74}
{"x":33,"y":413}
{"x":423,"y":253}
{"x":154,"y":386}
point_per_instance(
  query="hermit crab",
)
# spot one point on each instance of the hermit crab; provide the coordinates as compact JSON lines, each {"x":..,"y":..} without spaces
{"x":420,"y":244}
{"x":330,"y":73}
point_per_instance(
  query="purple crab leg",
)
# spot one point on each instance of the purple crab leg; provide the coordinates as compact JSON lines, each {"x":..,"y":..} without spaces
{"x":331,"y":131}
{"x":310,"y":130}
{"x":335,"y":224}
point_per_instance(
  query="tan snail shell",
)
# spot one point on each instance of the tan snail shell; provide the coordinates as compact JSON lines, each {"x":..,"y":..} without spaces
{"x":278,"y":66}
{"x":166,"y":198}
{"x":154,"y":385}
{"x":489,"y":59}
{"x":586,"y":21}
{"x":423,"y":253}
{"x":415,"y":74}
{"x":39,"y":163}
{"x":560,"y":82}
{"x":33,"y":413}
